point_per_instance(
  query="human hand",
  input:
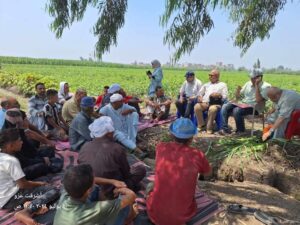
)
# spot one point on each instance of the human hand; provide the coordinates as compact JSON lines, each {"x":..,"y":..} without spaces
{"x":122,"y":191}
{"x":257,"y":81}
{"x":200,"y":99}
{"x":191,"y":99}
{"x":126,"y":112}
{"x":40,"y":114}
{"x":29,"y":134}
{"x":119,"y":184}
{"x":41,"y":183}
{"x":216,"y":95}
{"x":266,"y":135}
{"x":47,"y":161}
{"x":50,"y":143}
{"x":157,"y":106}
{"x":25,"y":124}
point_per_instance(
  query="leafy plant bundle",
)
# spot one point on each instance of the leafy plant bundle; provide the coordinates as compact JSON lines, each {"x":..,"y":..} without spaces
{"x":226,"y":148}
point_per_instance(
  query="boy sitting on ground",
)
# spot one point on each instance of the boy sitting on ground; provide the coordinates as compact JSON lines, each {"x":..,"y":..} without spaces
{"x":177,"y":167}
{"x":35,"y":161}
{"x":15,"y":190}
{"x":56,"y":125}
{"x":80,"y":203}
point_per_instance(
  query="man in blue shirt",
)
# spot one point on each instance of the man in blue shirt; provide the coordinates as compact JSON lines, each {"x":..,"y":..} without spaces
{"x":79,"y":132}
{"x":4,"y":105}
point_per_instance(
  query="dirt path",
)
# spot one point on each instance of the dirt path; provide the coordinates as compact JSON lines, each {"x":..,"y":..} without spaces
{"x":259,"y":196}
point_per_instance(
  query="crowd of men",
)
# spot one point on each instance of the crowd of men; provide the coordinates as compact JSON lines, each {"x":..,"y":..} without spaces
{"x":104,"y":131}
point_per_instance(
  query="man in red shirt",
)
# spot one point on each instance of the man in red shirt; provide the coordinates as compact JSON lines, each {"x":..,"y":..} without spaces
{"x":132,"y":101}
{"x":100,"y":97}
{"x":177,"y":167}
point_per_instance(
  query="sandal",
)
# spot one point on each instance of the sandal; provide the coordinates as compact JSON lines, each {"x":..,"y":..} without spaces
{"x":236,"y":208}
{"x":265,"y":218}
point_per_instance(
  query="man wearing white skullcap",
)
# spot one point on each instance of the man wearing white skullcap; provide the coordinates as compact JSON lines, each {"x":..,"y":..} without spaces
{"x":125,"y":119}
{"x":108,"y":158}
{"x":102,"y":126}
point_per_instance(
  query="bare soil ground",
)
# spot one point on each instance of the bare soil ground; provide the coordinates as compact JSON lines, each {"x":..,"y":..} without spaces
{"x":264,"y":183}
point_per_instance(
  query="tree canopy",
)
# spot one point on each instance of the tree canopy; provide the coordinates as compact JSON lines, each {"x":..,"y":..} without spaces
{"x":187,"y":21}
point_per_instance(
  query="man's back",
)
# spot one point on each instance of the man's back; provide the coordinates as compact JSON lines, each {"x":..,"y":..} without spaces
{"x":79,"y":132}
{"x":107,"y":158}
{"x":288,"y":102}
{"x":177,"y":168}
{"x":70,"y":211}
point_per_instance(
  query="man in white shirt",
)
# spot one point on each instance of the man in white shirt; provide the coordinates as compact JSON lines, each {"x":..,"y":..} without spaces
{"x":254,"y":92}
{"x":188,"y":94}
{"x":210,"y":97}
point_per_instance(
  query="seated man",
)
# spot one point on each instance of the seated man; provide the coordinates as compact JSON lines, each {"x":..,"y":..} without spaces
{"x":252,"y":93}
{"x":125,"y":120}
{"x":108,"y":158}
{"x":14,"y":185}
{"x":34,"y":135}
{"x":113,"y":89}
{"x":159,"y":106}
{"x":286,"y":101}
{"x":80,"y":203}
{"x":56,"y":125}
{"x":4,"y":106}
{"x":36,"y":106}
{"x":210,"y":97}
{"x":101,"y":96}
{"x":79,"y":132}
{"x":188,"y":94}
{"x":72,"y":107}
{"x":132,"y":101}
{"x":64,"y":92}
{"x":176,"y":172}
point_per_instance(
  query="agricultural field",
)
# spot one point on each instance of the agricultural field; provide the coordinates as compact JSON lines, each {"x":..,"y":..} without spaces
{"x":134,"y":80}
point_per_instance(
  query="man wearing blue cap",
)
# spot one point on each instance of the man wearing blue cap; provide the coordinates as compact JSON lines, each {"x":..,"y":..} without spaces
{"x":188,"y":94}
{"x":79,"y":132}
{"x":176,"y":172}
{"x":253,"y":93}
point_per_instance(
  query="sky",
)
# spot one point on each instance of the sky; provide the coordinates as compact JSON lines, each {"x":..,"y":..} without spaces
{"x":25,"y":31}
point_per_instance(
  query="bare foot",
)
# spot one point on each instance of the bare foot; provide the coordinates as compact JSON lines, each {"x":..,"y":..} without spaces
{"x":25,"y":217}
{"x":41,"y":211}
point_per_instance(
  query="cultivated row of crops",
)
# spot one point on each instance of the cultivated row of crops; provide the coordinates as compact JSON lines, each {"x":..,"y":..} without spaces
{"x":134,"y":80}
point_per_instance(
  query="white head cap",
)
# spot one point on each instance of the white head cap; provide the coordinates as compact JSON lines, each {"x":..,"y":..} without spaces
{"x":116,"y":98}
{"x":101,"y":126}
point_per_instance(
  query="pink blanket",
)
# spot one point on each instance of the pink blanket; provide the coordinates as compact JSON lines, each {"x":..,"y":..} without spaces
{"x":145,"y":123}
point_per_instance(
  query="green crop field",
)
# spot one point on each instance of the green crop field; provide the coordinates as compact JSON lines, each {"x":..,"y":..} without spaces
{"x":134,"y":80}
